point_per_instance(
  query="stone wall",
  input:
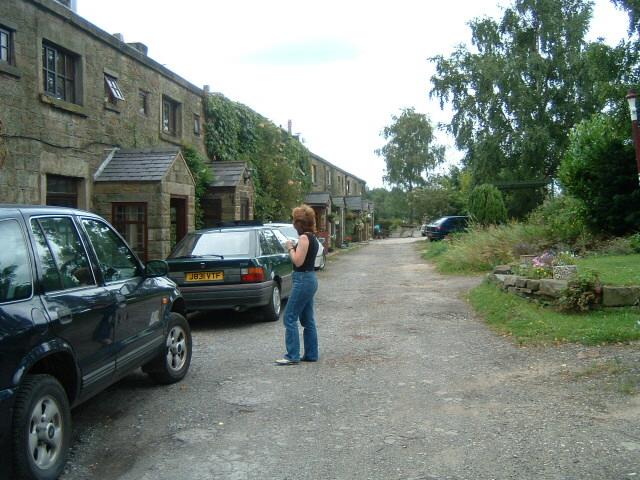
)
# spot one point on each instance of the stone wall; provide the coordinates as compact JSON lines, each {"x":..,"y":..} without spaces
{"x":612,"y":296}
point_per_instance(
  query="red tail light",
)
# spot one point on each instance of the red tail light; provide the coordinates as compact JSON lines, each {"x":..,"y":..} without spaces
{"x":252,"y":274}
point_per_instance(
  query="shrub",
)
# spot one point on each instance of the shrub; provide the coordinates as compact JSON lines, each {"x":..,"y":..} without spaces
{"x":564,"y":220}
{"x":486,"y":205}
{"x":634,"y":242}
{"x":580,"y":294}
{"x":599,"y":169}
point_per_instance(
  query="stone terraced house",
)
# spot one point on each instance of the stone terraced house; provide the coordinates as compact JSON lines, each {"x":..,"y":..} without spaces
{"x":88,"y":120}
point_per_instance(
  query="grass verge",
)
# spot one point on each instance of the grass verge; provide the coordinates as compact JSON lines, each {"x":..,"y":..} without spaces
{"x":613,"y":269}
{"x":529,"y":323}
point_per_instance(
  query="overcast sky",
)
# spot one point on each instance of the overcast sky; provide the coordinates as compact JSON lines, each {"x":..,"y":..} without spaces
{"x":339,"y":70}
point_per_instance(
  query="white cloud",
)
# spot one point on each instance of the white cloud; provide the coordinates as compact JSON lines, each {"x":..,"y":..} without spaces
{"x":369,"y":59}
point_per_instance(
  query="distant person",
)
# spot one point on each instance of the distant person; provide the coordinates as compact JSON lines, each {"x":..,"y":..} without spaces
{"x":377,"y":231}
{"x":305,"y":285}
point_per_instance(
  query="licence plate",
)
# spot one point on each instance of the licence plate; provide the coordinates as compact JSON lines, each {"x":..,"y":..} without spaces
{"x":204,"y":276}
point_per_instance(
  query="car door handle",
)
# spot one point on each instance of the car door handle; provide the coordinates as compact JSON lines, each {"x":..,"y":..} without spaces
{"x":64,"y":315}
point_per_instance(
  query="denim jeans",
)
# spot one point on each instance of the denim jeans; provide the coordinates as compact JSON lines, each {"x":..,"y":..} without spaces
{"x":300,"y":306}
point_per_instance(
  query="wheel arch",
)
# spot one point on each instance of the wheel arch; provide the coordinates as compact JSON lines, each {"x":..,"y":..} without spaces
{"x":53,"y":358}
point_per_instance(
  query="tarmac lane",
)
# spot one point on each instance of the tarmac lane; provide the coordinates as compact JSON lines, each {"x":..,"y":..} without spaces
{"x":410,"y":385}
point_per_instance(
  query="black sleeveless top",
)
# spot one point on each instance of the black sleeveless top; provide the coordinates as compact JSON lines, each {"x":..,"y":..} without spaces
{"x":310,"y":259}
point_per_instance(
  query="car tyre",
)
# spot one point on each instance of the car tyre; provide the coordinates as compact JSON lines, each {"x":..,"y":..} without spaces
{"x":41,"y":428}
{"x":271,"y":311}
{"x":172,"y":363}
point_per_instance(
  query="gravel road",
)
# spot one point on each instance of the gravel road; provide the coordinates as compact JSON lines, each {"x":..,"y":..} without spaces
{"x":411,"y":385}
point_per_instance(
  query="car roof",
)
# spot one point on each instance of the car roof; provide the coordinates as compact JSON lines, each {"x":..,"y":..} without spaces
{"x":42,"y":209}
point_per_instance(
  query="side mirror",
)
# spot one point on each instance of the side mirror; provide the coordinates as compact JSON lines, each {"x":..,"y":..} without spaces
{"x":156,"y":268}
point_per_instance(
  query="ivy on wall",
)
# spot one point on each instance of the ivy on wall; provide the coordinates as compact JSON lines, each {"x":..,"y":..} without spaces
{"x":279,"y":163}
{"x":202,"y":176}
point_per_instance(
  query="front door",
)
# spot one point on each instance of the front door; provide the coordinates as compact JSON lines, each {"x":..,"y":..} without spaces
{"x":178,"y":207}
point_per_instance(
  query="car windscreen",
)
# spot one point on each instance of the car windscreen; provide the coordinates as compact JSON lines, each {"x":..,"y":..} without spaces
{"x":440,"y":221}
{"x":225,"y":243}
{"x":289,"y":231}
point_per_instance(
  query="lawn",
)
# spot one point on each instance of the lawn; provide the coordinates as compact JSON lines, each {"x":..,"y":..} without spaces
{"x":530,"y":323}
{"x":613,"y":269}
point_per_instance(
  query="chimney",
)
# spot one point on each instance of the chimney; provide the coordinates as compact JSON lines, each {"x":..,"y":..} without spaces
{"x":119,"y":36}
{"x":207,"y":90}
{"x":289,"y":125}
{"x":141,"y":47}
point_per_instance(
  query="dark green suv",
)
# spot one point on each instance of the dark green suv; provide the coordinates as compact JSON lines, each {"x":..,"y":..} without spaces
{"x":237,"y":266}
{"x":78,"y":311}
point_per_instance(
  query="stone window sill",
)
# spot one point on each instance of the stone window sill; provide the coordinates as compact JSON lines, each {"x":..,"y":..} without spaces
{"x":111,"y":107}
{"x":10,"y":70}
{"x":175,"y":139}
{"x":62,"y":105}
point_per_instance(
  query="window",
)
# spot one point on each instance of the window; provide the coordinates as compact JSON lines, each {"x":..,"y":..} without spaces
{"x":62,"y":191}
{"x":313,"y":174}
{"x":112,"y":90}
{"x":116,"y":260}
{"x":328,"y":177}
{"x":170,"y":120}
{"x":64,"y":260}
{"x":196,"y":124}
{"x":6,"y":46}
{"x":15,"y":268}
{"x":348,"y":186}
{"x":59,"y":73}
{"x":130,"y":219}
{"x":143,"y":103}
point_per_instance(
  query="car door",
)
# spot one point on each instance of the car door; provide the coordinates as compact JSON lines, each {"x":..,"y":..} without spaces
{"x":81,"y":311}
{"x":138,"y":327}
{"x":275,"y":253}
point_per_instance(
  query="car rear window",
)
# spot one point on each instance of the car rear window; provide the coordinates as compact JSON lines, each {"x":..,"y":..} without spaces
{"x":15,"y":268}
{"x":214,"y":243}
{"x":289,"y":231}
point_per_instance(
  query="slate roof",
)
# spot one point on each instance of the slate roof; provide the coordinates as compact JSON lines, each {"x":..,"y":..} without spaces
{"x":317,"y":198}
{"x":227,"y":174}
{"x":137,"y":165}
{"x":353,"y":203}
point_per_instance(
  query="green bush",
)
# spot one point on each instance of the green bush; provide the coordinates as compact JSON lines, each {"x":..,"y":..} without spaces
{"x":580,"y":294}
{"x":634,"y":242}
{"x":599,"y":169}
{"x":486,"y":205}
{"x":564,"y":220}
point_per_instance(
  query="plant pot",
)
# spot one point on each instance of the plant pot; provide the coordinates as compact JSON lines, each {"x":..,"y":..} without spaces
{"x":565,"y":272}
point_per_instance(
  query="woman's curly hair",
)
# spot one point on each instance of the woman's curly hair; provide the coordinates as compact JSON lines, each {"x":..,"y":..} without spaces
{"x":304,"y":219}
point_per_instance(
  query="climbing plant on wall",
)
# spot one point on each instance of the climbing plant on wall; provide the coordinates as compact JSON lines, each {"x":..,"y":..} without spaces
{"x":202,"y":176}
{"x":279,"y":163}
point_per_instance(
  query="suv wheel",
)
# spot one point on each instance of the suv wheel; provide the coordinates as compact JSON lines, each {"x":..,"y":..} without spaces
{"x":172,"y":363}
{"x":271,"y":311}
{"x":41,"y":428}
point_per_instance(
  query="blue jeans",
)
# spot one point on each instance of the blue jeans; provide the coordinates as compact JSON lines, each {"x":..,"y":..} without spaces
{"x":300,"y":306}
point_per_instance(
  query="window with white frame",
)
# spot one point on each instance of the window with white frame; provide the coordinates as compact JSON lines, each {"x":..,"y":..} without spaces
{"x":328,"y":177}
{"x":112,"y":91}
{"x":314,"y":175}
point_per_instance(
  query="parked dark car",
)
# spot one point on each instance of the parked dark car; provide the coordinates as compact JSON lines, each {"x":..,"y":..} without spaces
{"x":444,"y":226}
{"x":290,"y":233}
{"x":78,"y":311}
{"x":237,"y":266}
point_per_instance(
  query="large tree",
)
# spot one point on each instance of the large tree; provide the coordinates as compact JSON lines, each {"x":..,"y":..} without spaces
{"x":411,"y":152}
{"x":516,"y":93}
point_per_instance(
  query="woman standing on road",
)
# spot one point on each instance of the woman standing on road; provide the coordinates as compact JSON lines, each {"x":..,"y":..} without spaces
{"x":305,"y":284}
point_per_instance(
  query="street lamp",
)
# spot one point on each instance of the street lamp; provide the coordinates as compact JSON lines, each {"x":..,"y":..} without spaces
{"x":632,"y":98}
